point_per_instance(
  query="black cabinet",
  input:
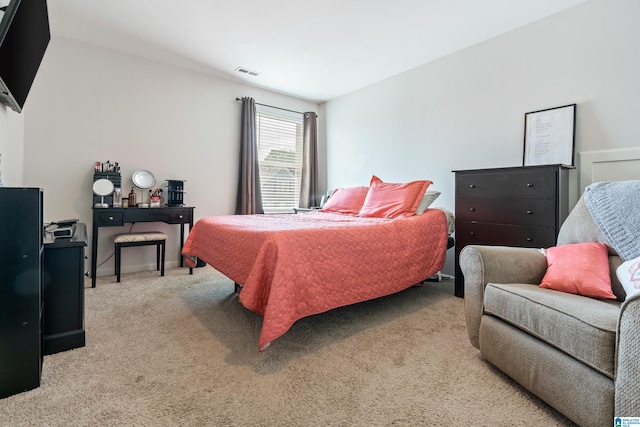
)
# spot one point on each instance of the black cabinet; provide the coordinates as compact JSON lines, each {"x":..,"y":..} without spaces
{"x":21,"y":247}
{"x":63,"y":278}
{"x":518,"y":206}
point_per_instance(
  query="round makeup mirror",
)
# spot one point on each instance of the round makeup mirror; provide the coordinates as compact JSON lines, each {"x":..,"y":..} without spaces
{"x":143,"y":179}
{"x":102,"y":187}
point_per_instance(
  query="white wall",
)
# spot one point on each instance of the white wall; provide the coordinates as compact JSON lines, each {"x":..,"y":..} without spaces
{"x":90,"y":104}
{"x":466,"y":111}
{"x":11,"y":147}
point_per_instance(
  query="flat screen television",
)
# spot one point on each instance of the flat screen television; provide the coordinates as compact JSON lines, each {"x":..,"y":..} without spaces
{"x":24,"y":37}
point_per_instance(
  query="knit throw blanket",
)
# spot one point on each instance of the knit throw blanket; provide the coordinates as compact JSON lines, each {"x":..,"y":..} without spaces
{"x":615,"y":207}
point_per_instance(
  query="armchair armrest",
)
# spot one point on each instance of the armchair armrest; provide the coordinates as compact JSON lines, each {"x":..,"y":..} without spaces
{"x":627,"y":380}
{"x":481,"y":265}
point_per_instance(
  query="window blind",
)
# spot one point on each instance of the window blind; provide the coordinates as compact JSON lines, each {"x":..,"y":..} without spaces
{"x":280,"y":158}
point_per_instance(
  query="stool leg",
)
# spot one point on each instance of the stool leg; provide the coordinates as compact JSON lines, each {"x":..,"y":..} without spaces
{"x":117,"y":263}
{"x":158,"y":256}
{"x":162,"y":263}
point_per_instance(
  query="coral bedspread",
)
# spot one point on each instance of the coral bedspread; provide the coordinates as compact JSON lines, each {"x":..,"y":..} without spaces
{"x":295,"y":265}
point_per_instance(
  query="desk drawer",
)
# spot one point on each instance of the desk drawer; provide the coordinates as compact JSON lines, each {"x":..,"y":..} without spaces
{"x":536,"y":212}
{"x":110,"y":219}
{"x":166,"y":215}
{"x":146,"y":215}
{"x":179,"y":216}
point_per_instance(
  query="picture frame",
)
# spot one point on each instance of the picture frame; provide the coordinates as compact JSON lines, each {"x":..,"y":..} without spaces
{"x":549,"y":136}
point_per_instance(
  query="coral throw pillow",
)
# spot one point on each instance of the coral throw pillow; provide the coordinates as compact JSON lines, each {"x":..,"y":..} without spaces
{"x":579,"y":268}
{"x":390,"y":200}
{"x":346,"y":200}
{"x":629,"y":275}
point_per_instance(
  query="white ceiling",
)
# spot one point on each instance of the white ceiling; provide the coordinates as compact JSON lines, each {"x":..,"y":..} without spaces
{"x":315,"y":50}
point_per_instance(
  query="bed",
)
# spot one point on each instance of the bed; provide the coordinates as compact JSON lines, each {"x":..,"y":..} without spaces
{"x":291,"y":266}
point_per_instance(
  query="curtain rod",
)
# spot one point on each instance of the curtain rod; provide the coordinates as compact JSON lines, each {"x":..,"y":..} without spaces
{"x":271,"y":106}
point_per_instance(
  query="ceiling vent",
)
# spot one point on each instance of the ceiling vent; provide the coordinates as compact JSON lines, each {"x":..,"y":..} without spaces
{"x":247,"y":71}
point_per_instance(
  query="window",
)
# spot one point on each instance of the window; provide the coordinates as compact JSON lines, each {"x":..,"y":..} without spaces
{"x":279,"y":158}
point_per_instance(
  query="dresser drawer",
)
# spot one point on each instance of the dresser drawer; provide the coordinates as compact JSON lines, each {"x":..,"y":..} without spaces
{"x":536,"y":212}
{"x":505,"y":235}
{"x":110,"y":219}
{"x":519,"y":183}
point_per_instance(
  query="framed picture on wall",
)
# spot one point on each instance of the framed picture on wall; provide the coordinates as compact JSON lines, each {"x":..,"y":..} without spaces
{"x":549,"y":136}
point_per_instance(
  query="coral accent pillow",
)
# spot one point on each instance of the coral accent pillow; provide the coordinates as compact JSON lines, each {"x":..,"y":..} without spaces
{"x":346,"y":200}
{"x":579,"y":268}
{"x":629,"y":275}
{"x":390,"y":200}
{"x":374,"y":180}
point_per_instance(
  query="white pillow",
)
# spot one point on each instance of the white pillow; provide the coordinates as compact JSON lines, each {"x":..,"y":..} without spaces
{"x":629,"y":275}
{"x":427,"y":199}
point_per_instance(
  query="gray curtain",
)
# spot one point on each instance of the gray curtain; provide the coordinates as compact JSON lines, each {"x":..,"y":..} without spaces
{"x":309,"y":196}
{"x":249,"y":200}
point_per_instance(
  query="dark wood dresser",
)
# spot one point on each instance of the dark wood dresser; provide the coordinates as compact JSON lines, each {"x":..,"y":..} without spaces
{"x":516,"y":206}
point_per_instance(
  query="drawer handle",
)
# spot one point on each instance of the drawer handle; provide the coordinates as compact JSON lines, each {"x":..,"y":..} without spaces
{"x":472,"y":186}
{"x":473,"y":233}
{"x":472,"y":209}
{"x":529,"y":239}
{"x":180,"y":216}
{"x":110,"y":218}
{"x":529,"y":185}
{"x":529,"y":212}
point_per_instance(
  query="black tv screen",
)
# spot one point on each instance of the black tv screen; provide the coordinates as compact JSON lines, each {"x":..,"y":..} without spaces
{"x":24,"y":36}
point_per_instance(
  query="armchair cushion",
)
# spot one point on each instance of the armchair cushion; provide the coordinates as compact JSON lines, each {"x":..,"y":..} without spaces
{"x":584,"y":328}
{"x":579,"y":268}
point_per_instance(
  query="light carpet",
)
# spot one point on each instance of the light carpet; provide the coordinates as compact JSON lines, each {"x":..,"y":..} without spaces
{"x":181,"y":350}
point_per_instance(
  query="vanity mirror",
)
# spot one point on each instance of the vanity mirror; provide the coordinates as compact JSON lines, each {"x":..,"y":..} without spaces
{"x":144,"y":180}
{"x":102,"y":187}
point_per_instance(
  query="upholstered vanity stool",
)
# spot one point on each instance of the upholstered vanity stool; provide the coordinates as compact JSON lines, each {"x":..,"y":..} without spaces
{"x":141,"y":239}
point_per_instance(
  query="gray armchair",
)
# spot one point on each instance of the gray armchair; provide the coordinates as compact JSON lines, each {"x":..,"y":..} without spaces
{"x":578,"y":354}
